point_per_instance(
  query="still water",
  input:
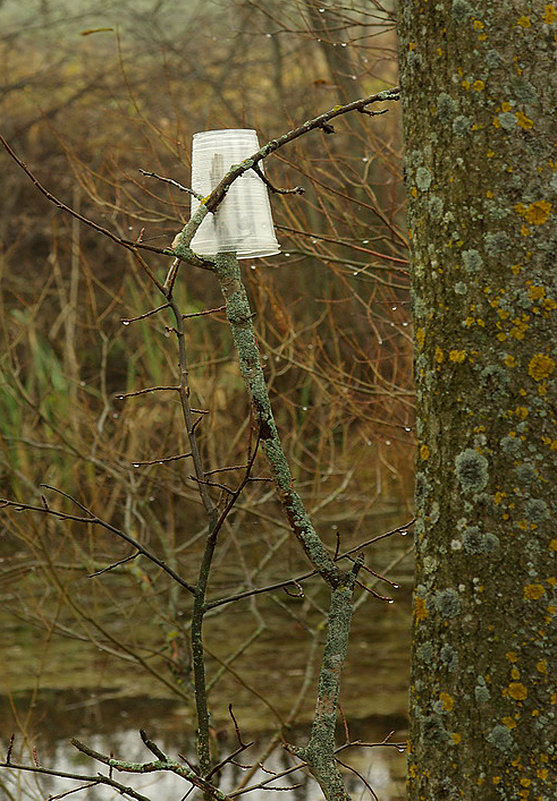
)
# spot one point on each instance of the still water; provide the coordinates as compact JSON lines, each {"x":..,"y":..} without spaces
{"x":54,"y":690}
{"x":382,"y":768}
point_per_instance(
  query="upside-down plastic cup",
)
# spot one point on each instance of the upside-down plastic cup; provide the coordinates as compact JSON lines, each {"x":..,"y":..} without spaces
{"x":242,"y":223}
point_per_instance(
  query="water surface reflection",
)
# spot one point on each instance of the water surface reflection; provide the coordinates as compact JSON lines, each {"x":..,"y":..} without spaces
{"x":383,"y":768}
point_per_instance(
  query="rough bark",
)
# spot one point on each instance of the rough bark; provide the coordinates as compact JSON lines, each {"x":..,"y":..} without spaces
{"x":479,"y":105}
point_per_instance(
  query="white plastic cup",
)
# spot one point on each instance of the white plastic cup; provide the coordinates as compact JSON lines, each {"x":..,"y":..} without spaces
{"x":242,"y":223}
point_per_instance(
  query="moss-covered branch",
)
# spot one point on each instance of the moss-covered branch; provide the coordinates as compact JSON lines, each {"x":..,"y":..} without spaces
{"x":320,"y":750}
{"x":162,"y":763}
{"x":239,"y":315}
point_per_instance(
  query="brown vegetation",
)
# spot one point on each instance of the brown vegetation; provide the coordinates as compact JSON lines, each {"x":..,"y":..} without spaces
{"x":87,"y":112}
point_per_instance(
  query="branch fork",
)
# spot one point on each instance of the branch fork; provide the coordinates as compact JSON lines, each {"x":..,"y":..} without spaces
{"x":319,"y":754}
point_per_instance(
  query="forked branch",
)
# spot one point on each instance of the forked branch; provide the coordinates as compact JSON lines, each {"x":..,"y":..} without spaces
{"x":319,"y":754}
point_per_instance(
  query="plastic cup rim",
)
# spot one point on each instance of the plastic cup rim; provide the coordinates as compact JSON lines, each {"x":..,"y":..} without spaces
{"x":221,"y":131}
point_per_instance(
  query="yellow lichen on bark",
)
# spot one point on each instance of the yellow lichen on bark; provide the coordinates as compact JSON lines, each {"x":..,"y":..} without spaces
{"x":541,"y":366}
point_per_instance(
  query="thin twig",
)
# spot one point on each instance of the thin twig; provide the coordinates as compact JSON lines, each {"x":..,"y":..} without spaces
{"x":62,"y":774}
{"x":376,"y":575}
{"x":114,"y":565}
{"x":217,"y":768}
{"x":372,"y":592}
{"x":10,"y":748}
{"x":97,"y":521}
{"x":163,"y":459}
{"x":304,"y":576}
{"x":216,"y":484}
{"x":137,"y":392}
{"x":320,"y":122}
{"x":162,"y":388}
{"x":236,"y":726}
{"x":297,"y":190}
{"x":226,"y":469}
{"x":128,"y":320}
{"x":359,"y":775}
{"x":69,"y":497}
{"x":201,"y":313}
{"x":66,"y":793}
{"x":172,"y":182}
{"x":153,"y":747}
{"x":263,"y":784}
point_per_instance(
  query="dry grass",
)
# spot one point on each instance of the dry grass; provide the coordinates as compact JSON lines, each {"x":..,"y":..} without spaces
{"x":332,"y":317}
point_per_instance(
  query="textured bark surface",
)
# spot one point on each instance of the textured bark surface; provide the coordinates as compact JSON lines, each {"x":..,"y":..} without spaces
{"x":479,"y":99}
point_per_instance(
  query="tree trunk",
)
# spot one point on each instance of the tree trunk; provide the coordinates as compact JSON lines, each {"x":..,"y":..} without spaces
{"x":479,"y":105}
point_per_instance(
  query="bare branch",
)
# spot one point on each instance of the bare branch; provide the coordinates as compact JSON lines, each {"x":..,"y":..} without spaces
{"x":297,"y":190}
{"x":162,"y":763}
{"x":62,"y":774}
{"x":172,"y":182}
{"x":128,"y":320}
{"x":97,"y":521}
{"x":360,"y":777}
{"x":322,"y":121}
{"x":153,"y":747}
{"x":163,"y":459}
{"x":201,"y":313}
{"x":403,"y":530}
{"x":114,"y":565}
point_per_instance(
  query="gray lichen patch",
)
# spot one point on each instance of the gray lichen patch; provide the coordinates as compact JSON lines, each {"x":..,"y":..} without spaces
{"x":536,"y":510}
{"x":461,"y":10}
{"x":446,"y":107}
{"x":481,"y":694}
{"x":435,"y":206}
{"x":524,"y":90}
{"x":501,"y":737}
{"x":433,"y":729}
{"x":471,"y":260}
{"x":447,"y":602}
{"x":507,"y":120}
{"x":476,"y":542}
{"x":462,"y":125}
{"x":471,"y":470}
{"x":495,"y":380}
{"x":525,"y":473}
{"x":423,"y":179}
{"x":449,"y":657}
{"x":425,"y":652}
{"x":511,"y":445}
{"x":414,"y":60}
{"x":496,"y":243}
{"x":493,"y":59}
{"x":421,"y":490}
